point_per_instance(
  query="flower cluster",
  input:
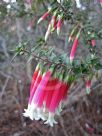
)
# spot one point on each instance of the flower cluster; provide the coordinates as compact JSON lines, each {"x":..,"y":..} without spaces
{"x":74,"y":37}
{"x":55,"y":22}
{"x":47,"y":92}
{"x":49,"y":87}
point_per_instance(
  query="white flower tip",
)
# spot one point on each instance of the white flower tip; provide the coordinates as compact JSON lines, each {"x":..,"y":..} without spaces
{"x":51,"y":121}
{"x":69,"y":40}
{"x":88,"y":90}
{"x":31,"y":115}
{"x":58,"y":31}
{"x":26,"y":113}
{"x":39,"y":20}
{"x":71,"y":60}
{"x":46,"y":36}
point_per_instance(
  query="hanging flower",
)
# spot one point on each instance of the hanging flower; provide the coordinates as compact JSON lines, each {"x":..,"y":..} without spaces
{"x":72,"y":33}
{"x":48,"y":31}
{"x":54,"y":18}
{"x":47,"y":93}
{"x":59,"y":23}
{"x":35,"y":74}
{"x":45,"y":15}
{"x":88,"y":86}
{"x":74,"y":47}
{"x":37,"y":96}
{"x":93,"y":42}
{"x":59,"y":94}
{"x":34,"y":85}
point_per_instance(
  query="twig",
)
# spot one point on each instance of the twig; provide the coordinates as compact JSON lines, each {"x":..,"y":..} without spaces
{"x":4,"y":87}
{"x":44,"y":59}
{"x":63,"y":127}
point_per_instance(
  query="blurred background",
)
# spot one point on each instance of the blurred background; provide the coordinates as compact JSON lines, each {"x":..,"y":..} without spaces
{"x":82,"y":115}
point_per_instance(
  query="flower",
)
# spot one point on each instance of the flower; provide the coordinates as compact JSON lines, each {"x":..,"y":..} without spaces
{"x":74,"y":47}
{"x":88,"y":86}
{"x":72,"y":33}
{"x":45,"y":15}
{"x":48,"y":31}
{"x":59,"y":23}
{"x":93,"y":42}
{"x":47,"y":92}
{"x":53,"y":19}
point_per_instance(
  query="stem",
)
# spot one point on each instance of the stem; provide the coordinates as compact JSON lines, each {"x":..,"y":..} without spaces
{"x":44,"y":59}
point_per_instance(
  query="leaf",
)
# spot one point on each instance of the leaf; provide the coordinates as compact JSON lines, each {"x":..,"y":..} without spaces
{"x":98,"y":66}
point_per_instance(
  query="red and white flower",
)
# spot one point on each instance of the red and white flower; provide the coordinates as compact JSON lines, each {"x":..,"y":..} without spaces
{"x":45,"y":15}
{"x":88,"y":86}
{"x":46,"y":96}
{"x":74,"y":47}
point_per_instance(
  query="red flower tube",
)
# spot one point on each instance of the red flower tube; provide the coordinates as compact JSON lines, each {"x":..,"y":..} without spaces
{"x":74,"y":47}
{"x":55,"y":97}
{"x":38,"y":80}
{"x":49,"y":92}
{"x":72,"y":33}
{"x":53,"y":19}
{"x":35,"y":74}
{"x":45,"y":15}
{"x":40,"y":92}
{"x":88,"y":86}
{"x":93,"y":42}
{"x":59,"y":23}
{"x":54,"y":26}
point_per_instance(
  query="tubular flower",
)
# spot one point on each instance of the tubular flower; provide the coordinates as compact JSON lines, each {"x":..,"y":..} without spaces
{"x":55,"y":22}
{"x":58,"y":95}
{"x":54,"y":26}
{"x":51,"y":25}
{"x":32,"y":92}
{"x":59,"y":23}
{"x":93,"y":42}
{"x":47,"y":92}
{"x":72,"y":33}
{"x":53,"y":19}
{"x":74,"y":47}
{"x":48,"y":31}
{"x":88,"y":86}
{"x":45,"y":15}
{"x":35,"y":74}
